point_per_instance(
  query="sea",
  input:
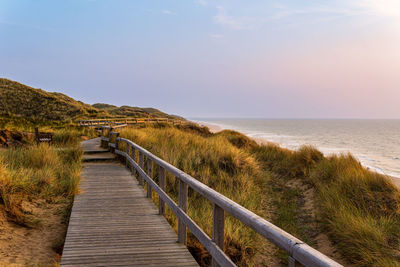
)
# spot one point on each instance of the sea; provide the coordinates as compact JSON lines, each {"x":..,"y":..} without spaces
{"x":375,"y":143}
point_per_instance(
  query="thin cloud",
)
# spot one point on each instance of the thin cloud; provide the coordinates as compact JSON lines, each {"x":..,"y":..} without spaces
{"x":202,"y":2}
{"x":27,"y":26}
{"x":389,"y":8}
{"x":234,"y":23}
{"x":216,"y":36}
{"x":284,"y":12}
{"x":347,"y":8}
{"x":168,"y":12}
{"x":317,"y":12}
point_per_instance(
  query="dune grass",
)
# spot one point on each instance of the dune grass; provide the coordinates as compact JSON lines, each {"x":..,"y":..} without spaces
{"x":357,"y":209}
{"x":37,"y":172}
{"x":360,"y":210}
{"x":72,"y":136}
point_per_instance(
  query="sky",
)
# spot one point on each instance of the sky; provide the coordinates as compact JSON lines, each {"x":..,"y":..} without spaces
{"x":203,"y":58}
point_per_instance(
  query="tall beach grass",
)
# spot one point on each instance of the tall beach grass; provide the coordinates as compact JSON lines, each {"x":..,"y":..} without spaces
{"x":37,"y":172}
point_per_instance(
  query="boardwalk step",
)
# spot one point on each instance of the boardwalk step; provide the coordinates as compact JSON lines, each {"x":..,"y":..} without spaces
{"x":97,"y":151}
{"x":98,"y":157}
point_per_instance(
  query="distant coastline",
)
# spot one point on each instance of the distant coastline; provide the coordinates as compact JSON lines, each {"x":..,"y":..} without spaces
{"x":214,"y":128}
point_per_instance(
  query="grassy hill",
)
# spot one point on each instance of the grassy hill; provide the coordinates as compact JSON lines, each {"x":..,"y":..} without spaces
{"x":18,"y":100}
{"x":135,"y":112}
{"x":23,"y":104}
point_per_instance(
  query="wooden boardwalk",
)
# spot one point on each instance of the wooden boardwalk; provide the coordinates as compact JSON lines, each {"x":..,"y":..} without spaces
{"x":113,"y":223}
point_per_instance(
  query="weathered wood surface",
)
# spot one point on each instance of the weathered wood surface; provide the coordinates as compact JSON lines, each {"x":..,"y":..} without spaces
{"x":93,"y":146}
{"x":113,"y":223}
{"x":41,"y":137}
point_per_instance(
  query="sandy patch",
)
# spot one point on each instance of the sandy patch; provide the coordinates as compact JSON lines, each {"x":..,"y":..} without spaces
{"x":323,"y":244}
{"x":40,"y":245}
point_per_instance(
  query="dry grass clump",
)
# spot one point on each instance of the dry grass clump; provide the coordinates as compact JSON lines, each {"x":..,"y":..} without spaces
{"x":72,"y":136}
{"x":360,"y":210}
{"x":36,"y":172}
{"x":238,"y":140}
{"x":217,"y":163}
{"x":289,"y":163}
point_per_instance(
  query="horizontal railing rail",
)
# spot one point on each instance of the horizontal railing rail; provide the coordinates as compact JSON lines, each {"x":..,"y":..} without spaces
{"x":298,"y":251}
{"x":117,"y":121}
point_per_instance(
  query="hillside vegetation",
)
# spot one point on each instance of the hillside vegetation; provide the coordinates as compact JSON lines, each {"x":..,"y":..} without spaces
{"x":303,"y":192}
{"x":134,"y":112}
{"x":24,"y":105}
{"x":23,"y":101}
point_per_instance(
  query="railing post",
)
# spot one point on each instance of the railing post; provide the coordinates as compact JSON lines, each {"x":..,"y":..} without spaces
{"x":293,"y":262}
{"x":150,"y":174}
{"x":127,"y":156}
{"x":183,"y":196}
{"x":161,"y":178}
{"x":116,"y":142}
{"x":218,"y":229}
{"x":141,"y":164}
{"x":133,"y":156}
{"x":37,"y":135}
{"x":109,"y":138}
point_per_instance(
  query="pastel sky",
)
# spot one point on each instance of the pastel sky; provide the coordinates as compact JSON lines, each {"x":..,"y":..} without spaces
{"x":221,"y":58}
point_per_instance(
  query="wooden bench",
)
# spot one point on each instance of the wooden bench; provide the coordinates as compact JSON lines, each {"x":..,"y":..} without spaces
{"x":43,"y":137}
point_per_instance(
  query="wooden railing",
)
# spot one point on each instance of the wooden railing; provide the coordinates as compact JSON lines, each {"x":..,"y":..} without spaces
{"x":120,"y":121}
{"x":298,"y":251}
